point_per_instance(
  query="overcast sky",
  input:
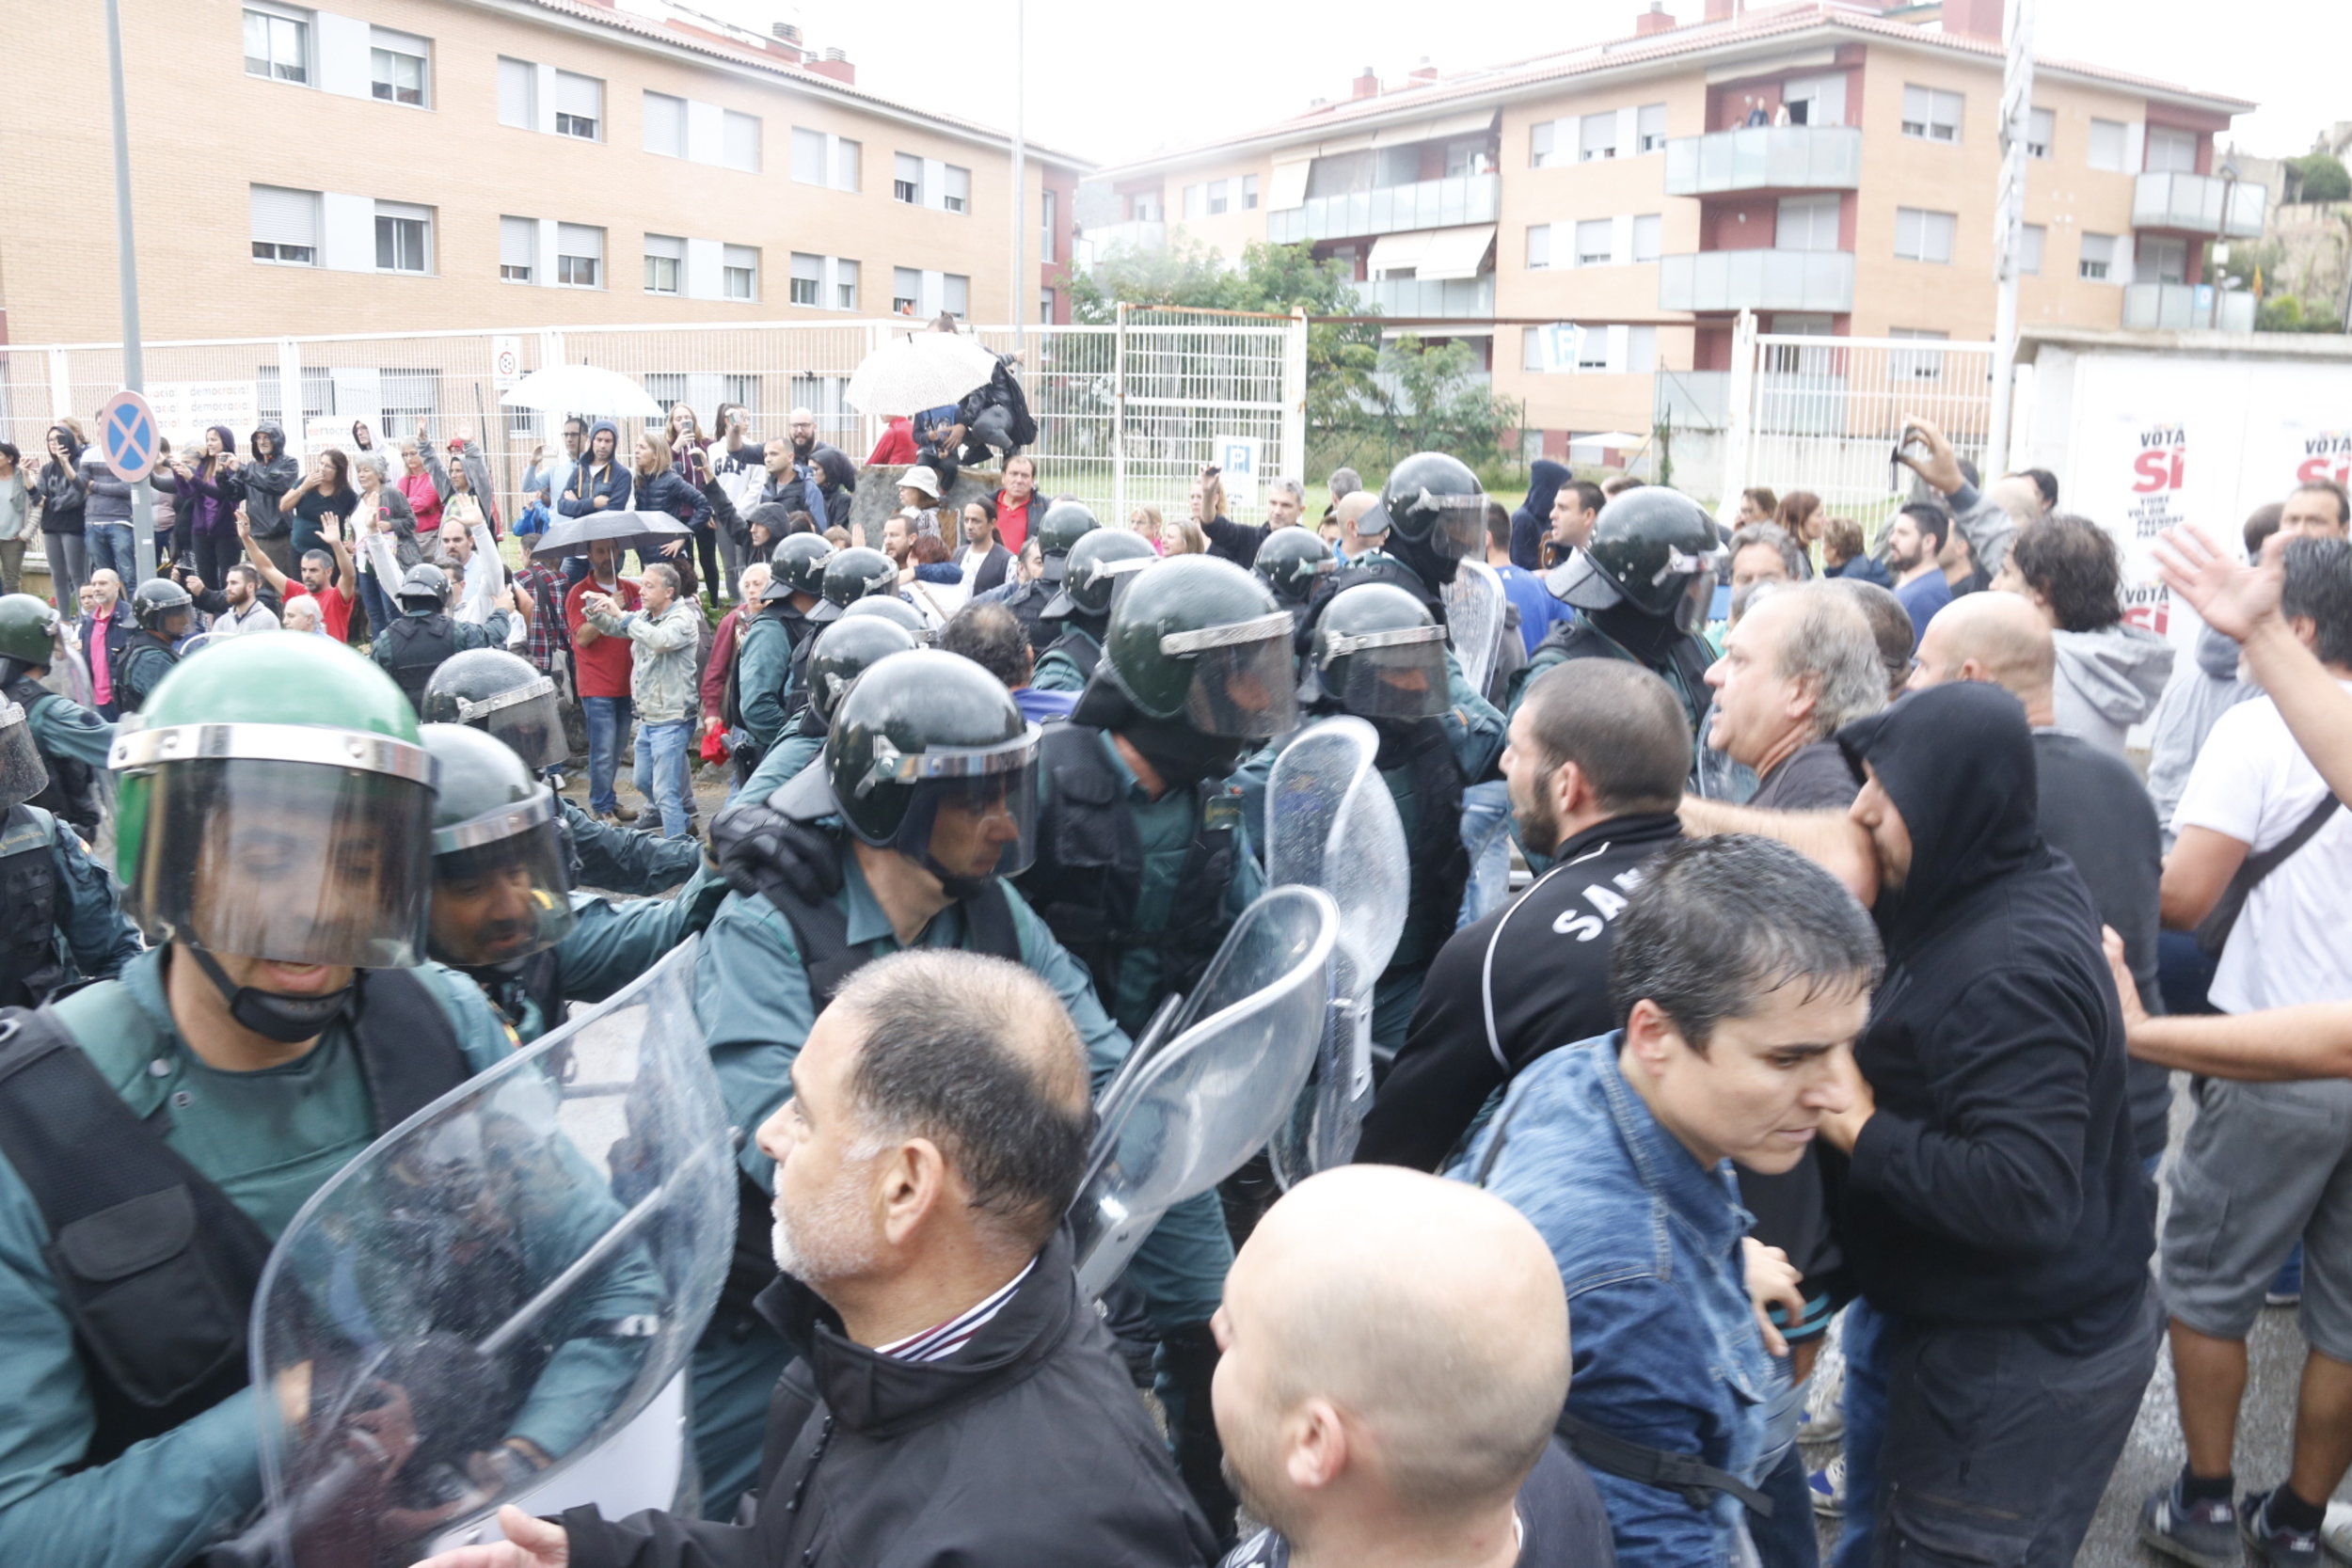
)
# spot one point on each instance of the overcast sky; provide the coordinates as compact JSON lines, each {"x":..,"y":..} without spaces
{"x":1114,"y":80}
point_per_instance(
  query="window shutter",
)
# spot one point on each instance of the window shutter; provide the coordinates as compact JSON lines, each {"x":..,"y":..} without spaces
{"x":282,"y":216}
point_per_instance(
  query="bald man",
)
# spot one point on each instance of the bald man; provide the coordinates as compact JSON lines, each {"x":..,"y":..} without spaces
{"x":1347,"y":512}
{"x":1396,"y":1355}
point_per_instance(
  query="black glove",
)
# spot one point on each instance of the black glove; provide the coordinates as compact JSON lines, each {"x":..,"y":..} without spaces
{"x":758,"y":847}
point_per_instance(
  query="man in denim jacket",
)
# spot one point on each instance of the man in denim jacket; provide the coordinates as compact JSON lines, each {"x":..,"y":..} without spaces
{"x":1742,"y":975}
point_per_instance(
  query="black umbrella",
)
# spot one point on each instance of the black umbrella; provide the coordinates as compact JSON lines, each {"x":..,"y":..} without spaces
{"x":643,"y":532}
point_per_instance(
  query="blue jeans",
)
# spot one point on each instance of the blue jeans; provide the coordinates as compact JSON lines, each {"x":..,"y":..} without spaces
{"x":607,"y":718}
{"x":661,"y":774}
{"x":381,"y":611}
{"x":1865,"y":1343}
{"x":1485,"y":833}
{"x":115,"y":545}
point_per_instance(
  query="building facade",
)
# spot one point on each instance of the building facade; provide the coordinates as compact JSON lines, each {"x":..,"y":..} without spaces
{"x":1830,"y":167}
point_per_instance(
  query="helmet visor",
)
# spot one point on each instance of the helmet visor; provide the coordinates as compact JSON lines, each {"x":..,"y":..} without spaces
{"x":23,"y":773}
{"x":289,"y":860}
{"x":970,"y":827}
{"x":498,"y":886}
{"x":1389,"y":674}
{"x":528,"y":719}
{"x":1245,"y":682}
{"x":1459,"y":531}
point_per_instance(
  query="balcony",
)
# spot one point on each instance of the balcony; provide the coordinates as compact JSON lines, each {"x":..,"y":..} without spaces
{"x":1723,"y":280}
{"x":2193,"y":204}
{"x":1430,"y":296}
{"x":1766,"y":158}
{"x":1390,"y":210}
{"x":2186,"y":306}
{"x":1100,"y":240}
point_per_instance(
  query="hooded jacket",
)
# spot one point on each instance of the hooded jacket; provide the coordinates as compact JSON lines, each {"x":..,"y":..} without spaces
{"x":1028,"y":1447}
{"x":2196,"y":696}
{"x":1997,"y":1182}
{"x":63,"y":496}
{"x":208,"y":501}
{"x":1533,"y":518}
{"x":586,"y":485}
{"x":2109,"y":680}
{"x":267,"y":479}
{"x":478,"y":481}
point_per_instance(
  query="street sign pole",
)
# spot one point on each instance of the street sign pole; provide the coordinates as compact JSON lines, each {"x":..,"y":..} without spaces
{"x":127,"y":271}
{"x":2008,"y":225}
{"x":1020,"y":172}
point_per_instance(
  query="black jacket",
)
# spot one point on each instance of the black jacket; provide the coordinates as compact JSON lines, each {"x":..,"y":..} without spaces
{"x":1531,"y":522}
{"x":266,"y":480}
{"x":1527,"y":979}
{"x":1997,"y":1182}
{"x":991,"y":570}
{"x":1028,"y":1447}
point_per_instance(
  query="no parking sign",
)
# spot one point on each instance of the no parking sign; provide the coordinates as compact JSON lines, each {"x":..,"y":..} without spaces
{"x":128,"y":438}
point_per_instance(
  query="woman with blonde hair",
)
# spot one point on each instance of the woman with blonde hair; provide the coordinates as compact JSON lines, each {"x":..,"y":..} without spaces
{"x":658,"y":487}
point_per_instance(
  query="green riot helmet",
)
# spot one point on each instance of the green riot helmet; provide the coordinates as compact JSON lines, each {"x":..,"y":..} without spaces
{"x":1433,"y":500}
{"x":846,"y":650}
{"x":1378,"y":654}
{"x":1064,"y":524}
{"x":799,"y":562}
{"x":23,"y":773}
{"x":275,"y":802}
{"x":1100,"y":564}
{"x":1653,"y":549}
{"x":498,"y":692}
{"x":1200,"y":643}
{"x":28,"y":630}
{"x":1292,"y":561}
{"x":928,"y":756}
{"x":499,"y":868}
{"x":163,"y":607}
{"x":424,"y":591}
{"x":889,"y":607}
{"x":850,"y":575}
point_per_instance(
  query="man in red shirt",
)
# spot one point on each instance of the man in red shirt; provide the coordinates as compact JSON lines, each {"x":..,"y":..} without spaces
{"x":326,"y":577}
{"x":1012,"y":502}
{"x":602,"y":664}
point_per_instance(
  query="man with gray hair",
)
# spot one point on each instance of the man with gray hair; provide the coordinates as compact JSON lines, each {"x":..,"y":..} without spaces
{"x":1801,"y":664}
{"x":665,"y":635}
{"x":1285,"y":503}
{"x":956,"y":1397}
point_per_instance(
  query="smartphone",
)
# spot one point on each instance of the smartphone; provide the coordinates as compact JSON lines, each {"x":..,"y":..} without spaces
{"x":1898,"y":473}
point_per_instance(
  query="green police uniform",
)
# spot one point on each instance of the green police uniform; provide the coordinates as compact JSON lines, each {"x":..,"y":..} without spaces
{"x":1065,"y":665}
{"x":86,"y":936}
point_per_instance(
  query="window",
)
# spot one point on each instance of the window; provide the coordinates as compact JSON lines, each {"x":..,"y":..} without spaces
{"x":1932,"y":114}
{"x":2097,"y":261}
{"x":278,"y":44}
{"x":1539,"y":140}
{"x":396,"y":67}
{"x":1923,"y":236}
{"x":1592,"y":350}
{"x":1046,"y":305}
{"x":519,"y":241}
{"x":739,"y":141}
{"x":1216,"y":197}
{"x":2030,"y":239}
{"x":665,"y":125}
{"x":808,"y":156}
{"x":2165,"y":259}
{"x":1598,"y":137}
{"x":1649,"y":232}
{"x":906,"y":290}
{"x":404,"y":237}
{"x":739,"y":271}
{"x":2171,"y":152}
{"x":1594,"y":247}
{"x":407,"y":396}
{"x":2040,"y":131}
{"x":1641,"y":350}
{"x":1650,"y":129}
{"x":1538,"y":246}
{"x":1196,"y":201}
{"x":1248,"y":193}
{"x":1807,"y":223}
{"x":579,"y":106}
{"x":955,"y":295}
{"x":518,"y":93}
{"x":906,"y":180}
{"x":1143,"y":208}
{"x":665,"y":264}
{"x":808,"y":280}
{"x":1045,"y":226}
{"x":2105,"y":148}
{"x":285,"y":226}
{"x":579,"y":256}
{"x":847,"y":170}
{"x":957,"y":196}
{"x":1915,"y":364}
{"x":844,"y":285}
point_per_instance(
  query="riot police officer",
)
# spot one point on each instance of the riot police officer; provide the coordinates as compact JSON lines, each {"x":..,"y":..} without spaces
{"x":498,"y":692}
{"x":889,"y":607}
{"x":759,"y":700}
{"x":1642,"y":584}
{"x":165,"y":612}
{"x":503,"y":910}
{"x":849,"y":575}
{"x":1064,"y":524}
{"x":1431,"y":517}
{"x":1098,"y":567}
{"x":40,"y":673}
{"x":1294,"y":561}
{"x":424,"y":637}
{"x":59,"y":918}
{"x":837,"y":655}
{"x":157,"y":1129}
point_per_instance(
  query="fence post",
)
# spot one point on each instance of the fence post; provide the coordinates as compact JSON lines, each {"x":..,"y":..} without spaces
{"x":1739,"y":415}
{"x":289,"y":409}
{"x":60,"y":384}
{"x":1119,"y":416}
{"x":1294,"y":399}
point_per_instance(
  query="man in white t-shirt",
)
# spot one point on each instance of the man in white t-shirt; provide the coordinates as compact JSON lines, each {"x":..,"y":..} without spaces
{"x":2264,"y":1164}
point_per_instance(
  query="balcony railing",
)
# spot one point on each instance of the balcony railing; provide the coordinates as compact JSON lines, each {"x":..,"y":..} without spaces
{"x":1138,"y":235}
{"x":1429,"y":296}
{"x":1715,"y":280}
{"x":1390,"y":210}
{"x":1766,"y":157}
{"x":2195,"y":204}
{"x":2185,"y":306}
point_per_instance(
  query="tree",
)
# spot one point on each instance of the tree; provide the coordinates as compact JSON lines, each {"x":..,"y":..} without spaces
{"x":2325,"y":178}
{"x":1431,"y":401}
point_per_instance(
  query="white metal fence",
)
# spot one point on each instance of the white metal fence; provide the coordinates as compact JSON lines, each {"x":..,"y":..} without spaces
{"x":1127,"y":413}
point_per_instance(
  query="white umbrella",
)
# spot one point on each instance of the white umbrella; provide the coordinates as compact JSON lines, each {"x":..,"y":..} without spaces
{"x":1616,"y":439}
{"x":581,"y":390}
{"x":924,"y":371}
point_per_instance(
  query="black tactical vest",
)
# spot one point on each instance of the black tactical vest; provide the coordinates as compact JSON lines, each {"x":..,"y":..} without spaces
{"x":29,"y":896}
{"x":415,"y":646}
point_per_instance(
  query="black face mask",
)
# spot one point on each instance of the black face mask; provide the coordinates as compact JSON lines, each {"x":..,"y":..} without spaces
{"x":1183,"y":756}
{"x":274,"y":1015}
{"x":1427,"y":564}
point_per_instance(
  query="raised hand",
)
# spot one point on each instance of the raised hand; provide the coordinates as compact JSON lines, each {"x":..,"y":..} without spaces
{"x":2232,"y":598}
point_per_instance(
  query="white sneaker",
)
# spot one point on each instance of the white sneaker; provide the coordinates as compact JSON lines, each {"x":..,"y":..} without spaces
{"x":2335,"y":1532}
{"x":1827,"y":1487}
{"x":1824,"y":1419}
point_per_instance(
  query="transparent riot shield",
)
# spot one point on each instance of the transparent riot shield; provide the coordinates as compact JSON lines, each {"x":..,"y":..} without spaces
{"x":196,"y":642}
{"x":488,"y":1298}
{"x":1208,"y":1099}
{"x":1331,"y":823}
{"x":1475,"y":617}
